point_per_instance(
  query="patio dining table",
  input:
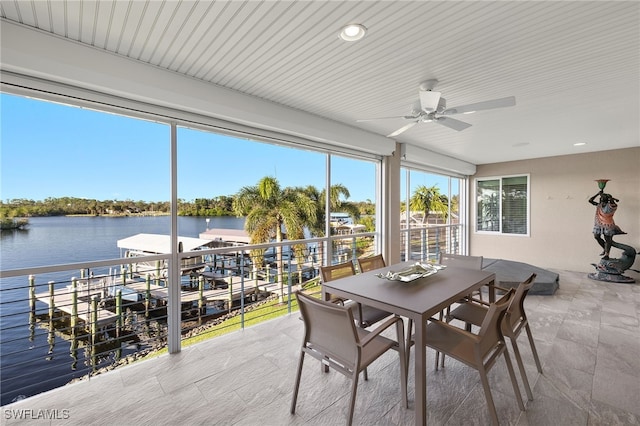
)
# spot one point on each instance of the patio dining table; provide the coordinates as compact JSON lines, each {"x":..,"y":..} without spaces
{"x":418,"y":300}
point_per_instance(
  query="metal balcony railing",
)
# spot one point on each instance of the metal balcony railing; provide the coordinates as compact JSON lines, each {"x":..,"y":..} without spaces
{"x":63,"y":322}
{"x":427,"y":242}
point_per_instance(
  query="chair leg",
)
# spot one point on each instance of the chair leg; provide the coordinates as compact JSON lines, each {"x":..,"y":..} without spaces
{"x":366,"y":375}
{"x":361,"y":325}
{"x":514,"y":381}
{"x":354,"y":389}
{"x":533,"y":347}
{"x":297,"y":385}
{"x":523,"y":373}
{"x":487,"y":394}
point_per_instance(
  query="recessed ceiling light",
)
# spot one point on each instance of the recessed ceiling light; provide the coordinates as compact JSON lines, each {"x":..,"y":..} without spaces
{"x":469,"y":112}
{"x":579,"y":143}
{"x":352,"y":32}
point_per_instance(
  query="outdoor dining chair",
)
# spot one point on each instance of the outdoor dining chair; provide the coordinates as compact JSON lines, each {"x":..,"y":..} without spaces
{"x":479,"y":351}
{"x":370,"y":263}
{"x":456,"y":260}
{"x":462,"y":261}
{"x":365,"y":316}
{"x":331,"y":336}
{"x":515,"y":320}
{"x":334,"y":272}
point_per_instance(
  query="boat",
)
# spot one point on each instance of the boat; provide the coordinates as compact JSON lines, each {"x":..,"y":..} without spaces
{"x":152,"y":244}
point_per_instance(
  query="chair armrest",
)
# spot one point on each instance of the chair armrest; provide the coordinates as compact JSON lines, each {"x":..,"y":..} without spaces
{"x":463,"y":333}
{"x":479,"y":302}
{"x":376,"y":332}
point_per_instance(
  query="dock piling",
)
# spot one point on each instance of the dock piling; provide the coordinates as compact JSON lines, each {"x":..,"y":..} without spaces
{"x":32,"y":307}
{"x":73,"y":349}
{"x":230,"y":292}
{"x":147,"y":295}
{"x":51,"y":336}
{"x":94,"y":330}
{"x":157,"y":277}
{"x":74,"y":305}
{"x":118,"y":313}
{"x":200,"y":298}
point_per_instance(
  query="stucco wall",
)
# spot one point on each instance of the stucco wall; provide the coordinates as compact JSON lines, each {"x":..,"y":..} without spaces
{"x":561,"y":217}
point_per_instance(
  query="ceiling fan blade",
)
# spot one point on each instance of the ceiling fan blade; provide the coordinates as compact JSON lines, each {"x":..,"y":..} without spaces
{"x":403,"y":129}
{"x":452,"y":123}
{"x":429,"y":100}
{"x":407,"y":117}
{"x":495,"y":103}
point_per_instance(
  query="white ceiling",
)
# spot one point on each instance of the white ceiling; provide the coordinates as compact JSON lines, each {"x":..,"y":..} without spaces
{"x":573,"y":66}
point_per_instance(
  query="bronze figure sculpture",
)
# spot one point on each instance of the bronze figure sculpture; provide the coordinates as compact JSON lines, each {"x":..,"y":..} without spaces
{"x":604,"y":229}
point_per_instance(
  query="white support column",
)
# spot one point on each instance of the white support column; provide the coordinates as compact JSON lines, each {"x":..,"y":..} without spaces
{"x":328,"y":253}
{"x":174,"y":307}
{"x":407,"y":213}
{"x":466,"y":197}
{"x":390,"y":206}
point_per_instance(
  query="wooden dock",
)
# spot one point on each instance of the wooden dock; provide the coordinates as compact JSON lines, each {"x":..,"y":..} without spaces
{"x":233,"y":292}
{"x":62,"y":298}
{"x":63,"y":301}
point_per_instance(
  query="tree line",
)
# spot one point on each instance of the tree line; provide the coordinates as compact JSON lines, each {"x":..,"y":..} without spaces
{"x":64,"y":206}
{"x":424,"y":199}
{"x":22,"y":207}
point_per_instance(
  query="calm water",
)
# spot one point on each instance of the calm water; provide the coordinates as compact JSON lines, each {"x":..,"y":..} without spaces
{"x":27,"y":368}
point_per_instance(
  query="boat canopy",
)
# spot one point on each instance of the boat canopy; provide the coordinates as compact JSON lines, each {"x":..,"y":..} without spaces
{"x":227,"y":235}
{"x":347,"y":228}
{"x":159,"y":244}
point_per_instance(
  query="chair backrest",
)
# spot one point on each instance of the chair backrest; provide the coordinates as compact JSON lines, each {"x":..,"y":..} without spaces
{"x":370,"y":263}
{"x":462,"y":261}
{"x":490,"y":330}
{"x":329,"y":329}
{"x":333,"y":272}
{"x":515,"y":313}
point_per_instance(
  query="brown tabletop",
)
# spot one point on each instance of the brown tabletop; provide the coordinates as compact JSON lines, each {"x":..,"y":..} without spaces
{"x":418,"y":300}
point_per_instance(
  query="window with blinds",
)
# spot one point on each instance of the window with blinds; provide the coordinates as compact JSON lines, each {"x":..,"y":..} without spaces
{"x":502,"y":205}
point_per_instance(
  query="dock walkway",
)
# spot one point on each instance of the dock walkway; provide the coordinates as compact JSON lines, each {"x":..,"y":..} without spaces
{"x":62,"y":299}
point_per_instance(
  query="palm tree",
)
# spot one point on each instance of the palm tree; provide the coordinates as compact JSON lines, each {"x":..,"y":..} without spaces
{"x":269,"y":209}
{"x":337,"y":192}
{"x":428,"y":199}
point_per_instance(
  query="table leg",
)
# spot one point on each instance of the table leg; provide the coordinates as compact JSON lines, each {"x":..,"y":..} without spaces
{"x":420,"y":361}
{"x":492,"y":291}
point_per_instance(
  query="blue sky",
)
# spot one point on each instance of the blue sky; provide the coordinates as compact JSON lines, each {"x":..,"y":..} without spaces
{"x":53,"y":150}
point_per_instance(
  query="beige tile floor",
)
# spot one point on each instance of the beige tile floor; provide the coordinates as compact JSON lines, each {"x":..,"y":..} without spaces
{"x":587,"y":334}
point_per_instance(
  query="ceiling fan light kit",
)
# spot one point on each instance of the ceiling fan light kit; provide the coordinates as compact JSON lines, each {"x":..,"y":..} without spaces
{"x":432,"y":107}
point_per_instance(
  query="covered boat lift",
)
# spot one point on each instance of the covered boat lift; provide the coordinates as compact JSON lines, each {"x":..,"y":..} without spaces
{"x":150,"y":244}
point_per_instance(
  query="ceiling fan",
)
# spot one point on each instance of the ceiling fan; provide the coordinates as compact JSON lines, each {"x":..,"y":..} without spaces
{"x":433,"y":107}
